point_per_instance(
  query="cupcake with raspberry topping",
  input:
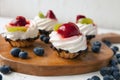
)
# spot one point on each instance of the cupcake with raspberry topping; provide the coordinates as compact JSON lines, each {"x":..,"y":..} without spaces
{"x":68,"y":40}
{"x":46,"y":23}
{"x":20,"y":32}
{"x":86,"y":26}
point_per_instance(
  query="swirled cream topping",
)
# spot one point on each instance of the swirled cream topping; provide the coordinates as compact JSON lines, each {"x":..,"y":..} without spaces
{"x":46,"y":24}
{"x":72,"y":44}
{"x":87,"y":29}
{"x":31,"y":32}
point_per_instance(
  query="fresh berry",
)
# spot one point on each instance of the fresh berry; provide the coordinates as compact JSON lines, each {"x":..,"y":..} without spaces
{"x":117,"y":55}
{"x":68,"y":30}
{"x":95,"y":78}
{"x":20,"y":21}
{"x":5,"y":69}
{"x":118,"y":60}
{"x":116,"y":75}
{"x":41,"y":15}
{"x":97,"y":43}
{"x":56,"y":27}
{"x":105,"y":71}
{"x":23,"y":55}
{"x":108,"y":43}
{"x":41,"y":37}
{"x":96,"y":49}
{"x":86,"y":21}
{"x":114,"y":51}
{"x":79,"y":17}
{"x":114,"y":69}
{"x":1,"y":77}
{"x":113,"y":62}
{"x":46,"y":39}
{"x":108,"y":77}
{"x":51,"y":15}
{"x":15,"y":52}
{"x":39,"y":51}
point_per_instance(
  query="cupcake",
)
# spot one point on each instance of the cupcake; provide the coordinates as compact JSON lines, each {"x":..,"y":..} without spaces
{"x":68,"y":40}
{"x":20,"y":32}
{"x":46,"y":23}
{"x":86,"y":26}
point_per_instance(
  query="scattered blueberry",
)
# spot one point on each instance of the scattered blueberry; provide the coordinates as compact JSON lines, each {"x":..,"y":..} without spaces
{"x":118,"y":60}
{"x":46,"y":39}
{"x":108,"y":43}
{"x":23,"y":55}
{"x":116,"y":75}
{"x":113,"y":62}
{"x":89,"y":79}
{"x":41,"y":37}
{"x":108,"y":77}
{"x":114,"y":69}
{"x":105,"y":71}
{"x":15,"y":52}
{"x":96,"y":49}
{"x":115,"y":48}
{"x":97,"y":43}
{"x":95,"y":78}
{"x":5,"y":69}
{"x":39,"y":51}
{"x":0,"y":77}
{"x":117,"y":55}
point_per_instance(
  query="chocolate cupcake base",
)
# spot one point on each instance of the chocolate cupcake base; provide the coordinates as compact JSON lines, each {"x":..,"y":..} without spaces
{"x":21,"y":43}
{"x":67,"y":54}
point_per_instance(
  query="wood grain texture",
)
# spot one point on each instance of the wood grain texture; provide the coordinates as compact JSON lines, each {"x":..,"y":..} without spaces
{"x":51,"y":64}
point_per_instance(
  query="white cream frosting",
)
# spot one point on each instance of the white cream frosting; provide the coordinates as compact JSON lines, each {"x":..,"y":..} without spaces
{"x":31,"y":32}
{"x":72,"y":44}
{"x":87,"y":29}
{"x":45,"y":23}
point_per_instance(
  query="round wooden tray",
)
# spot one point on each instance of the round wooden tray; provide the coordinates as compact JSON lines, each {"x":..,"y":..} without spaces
{"x":50,"y":64}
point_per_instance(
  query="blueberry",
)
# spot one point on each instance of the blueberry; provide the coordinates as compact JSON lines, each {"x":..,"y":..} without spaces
{"x":105,"y":71}
{"x":117,"y":55}
{"x":97,"y":43}
{"x":116,"y":75}
{"x":108,"y":77}
{"x":115,"y":48}
{"x":39,"y":51}
{"x":96,"y":49}
{"x":0,"y":77}
{"x":118,"y":60}
{"x":23,"y":55}
{"x":5,"y":69}
{"x":113,"y":62}
{"x":46,"y":39}
{"x":108,"y":43}
{"x":95,"y":78}
{"x":41,"y":37}
{"x":15,"y":52}
{"x":114,"y":69}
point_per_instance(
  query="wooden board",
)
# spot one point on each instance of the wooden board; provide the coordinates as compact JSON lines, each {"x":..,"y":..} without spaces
{"x":50,"y":64}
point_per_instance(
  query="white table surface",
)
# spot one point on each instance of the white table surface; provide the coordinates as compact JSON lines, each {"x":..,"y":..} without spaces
{"x":19,"y":76}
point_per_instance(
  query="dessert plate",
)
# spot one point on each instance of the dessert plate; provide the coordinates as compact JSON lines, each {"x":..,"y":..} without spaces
{"x":51,"y":64}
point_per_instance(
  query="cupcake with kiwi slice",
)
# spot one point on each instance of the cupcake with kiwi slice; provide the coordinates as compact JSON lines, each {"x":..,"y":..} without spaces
{"x":86,"y":26}
{"x":20,"y":32}
{"x":45,"y":23}
{"x":67,"y":40}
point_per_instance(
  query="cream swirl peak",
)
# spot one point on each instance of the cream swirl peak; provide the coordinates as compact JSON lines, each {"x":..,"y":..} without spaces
{"x":45,"y":23}
{"x":87,"y":29}
{"x":31,"y":32}
{"x":72,"y":44}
